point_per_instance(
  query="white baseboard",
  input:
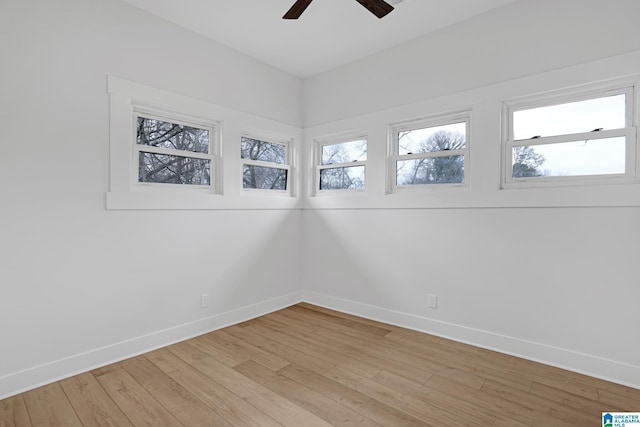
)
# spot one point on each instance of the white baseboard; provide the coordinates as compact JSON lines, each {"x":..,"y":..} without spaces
{"x":594,"y":366}
{"x":47,"y":373}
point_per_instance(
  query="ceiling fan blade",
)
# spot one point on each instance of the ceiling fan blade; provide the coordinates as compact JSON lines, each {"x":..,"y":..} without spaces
{"x":296,"y":10}
{"x":380,"y":8}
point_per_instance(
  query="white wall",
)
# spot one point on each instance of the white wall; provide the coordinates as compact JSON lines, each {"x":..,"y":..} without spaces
{"x":548,"y":274}
{"x":80,"y":285}
{"x":522,"y":38}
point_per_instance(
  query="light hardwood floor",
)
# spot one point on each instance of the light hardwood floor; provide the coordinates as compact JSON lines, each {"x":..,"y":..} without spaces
{"x":309,"y":366}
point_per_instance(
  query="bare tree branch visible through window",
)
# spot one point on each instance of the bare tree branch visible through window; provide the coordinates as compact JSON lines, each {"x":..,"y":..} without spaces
{"x":169,"y":168}
{"x":263,"y":177}
{"x":433,"y":170}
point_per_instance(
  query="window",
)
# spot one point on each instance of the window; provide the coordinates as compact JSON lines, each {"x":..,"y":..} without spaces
{"x":265,"y":164}
{"x":579,"y":139}
{"x":430,"y":152}
{"x":170,"y":151}
{"x":341,"y":164}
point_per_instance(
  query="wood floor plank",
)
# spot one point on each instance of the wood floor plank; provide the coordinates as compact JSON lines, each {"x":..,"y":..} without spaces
{"x":570,"y":400}
{"x":218,"y":351}
{"x":353,"y":325}
{"x":360,"y":353}
{"x":552,"y":377}
{"x":184,"y":406}
{"x":464,"y":353}
{"x":291,"y":354}
{"x":136,"y":403}
{"x":430,"y":414}
{"x":254,"y":353}
{"x":231,"y":406}
{"x":92,"y":403}
{"x":314,"y":402}
{"x":449,"y":402}
{"x":380,"y":348}
{"x":495,"y":404}
{"x":542,"y":405}
{"x":373,"y":350}
{"x":367,"y":406}
{"x":335,"y":313}
{"x":13,"y":412}
{"x":627,"y":399}
{"x":266,"y":327}
{"x":48,"y":406}
{"x":467,"y":366}
{"x":272,"y":404}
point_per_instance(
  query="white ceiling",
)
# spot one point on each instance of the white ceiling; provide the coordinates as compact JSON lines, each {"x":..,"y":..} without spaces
{"x":329,"y":33}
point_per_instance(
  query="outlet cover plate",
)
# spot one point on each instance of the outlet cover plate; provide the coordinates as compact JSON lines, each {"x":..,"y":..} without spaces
{"x":432,"y":301}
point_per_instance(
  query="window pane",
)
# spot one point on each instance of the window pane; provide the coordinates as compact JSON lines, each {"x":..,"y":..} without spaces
{"x":264,"y":178}
{"x":349,"y":178}
{"x":254,"y":149}
{"x":345,"y":152}
{"x":574,"y":117}
{"x":434,"y":170}
{"x":166,"y":169}
{"x":593,"y":157}
{"x":157,"y":133}
{"x":429,"y":140}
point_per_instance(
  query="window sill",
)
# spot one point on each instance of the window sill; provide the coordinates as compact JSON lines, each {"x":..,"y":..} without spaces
{"x":194,"y":201}
{"x":476,"y":198}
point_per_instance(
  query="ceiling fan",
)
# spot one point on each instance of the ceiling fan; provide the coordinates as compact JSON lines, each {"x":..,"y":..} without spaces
{"x":380,"y":8}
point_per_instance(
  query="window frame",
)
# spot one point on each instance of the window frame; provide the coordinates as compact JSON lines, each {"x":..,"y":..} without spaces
{"x":629,"y":132}
{"x":318,"y":166}
{"x":462,"y":116}
{"x":141,"y":110}
{"x":287,"y":165}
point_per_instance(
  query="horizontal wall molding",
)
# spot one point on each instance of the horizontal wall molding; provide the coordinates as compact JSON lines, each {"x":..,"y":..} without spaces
{"x":47,"y":373}
{"x":594,"y":366}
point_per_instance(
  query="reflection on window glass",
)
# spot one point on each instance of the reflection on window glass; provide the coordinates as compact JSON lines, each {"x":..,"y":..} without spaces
{"x":575,"y":158}
{"x":343,"y":178}
{"x":574,"y":117}
{"x":157,"y":133}
{"x":264,"y":178}
{"x":432,"y":170}
{"x":161,"y":168}
{"x":432,"y":139}
{"x":344,"y":152}
{"x":255,"y":149}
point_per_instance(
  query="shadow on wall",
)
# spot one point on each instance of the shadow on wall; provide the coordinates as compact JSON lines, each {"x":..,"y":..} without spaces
{"x":267,"y":264}
{"x":339,"y":260}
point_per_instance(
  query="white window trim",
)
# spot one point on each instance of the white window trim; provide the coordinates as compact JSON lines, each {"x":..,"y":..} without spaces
{"x":214,"y":148}
{"x":625,"y":86}
{"x":318,"y":166}
{"x":289,"y":156}
{"x":462,"y":116}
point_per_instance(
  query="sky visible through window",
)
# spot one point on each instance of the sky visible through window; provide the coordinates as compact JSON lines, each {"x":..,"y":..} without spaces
{"x":416,"y":140}
{"x":572,"y":158}
{"x":344,"y":152}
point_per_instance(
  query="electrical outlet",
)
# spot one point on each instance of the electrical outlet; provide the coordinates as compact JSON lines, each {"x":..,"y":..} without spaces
{"x":204,"y":300}
{"x":432,"y":301}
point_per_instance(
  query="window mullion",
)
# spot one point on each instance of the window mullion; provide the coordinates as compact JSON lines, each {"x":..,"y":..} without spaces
{"x":431,"y":155}
{"x":169,"y":152}
{"x":343,"y":165}
{"x":265,"y":164}
{"x":604,"y":134}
